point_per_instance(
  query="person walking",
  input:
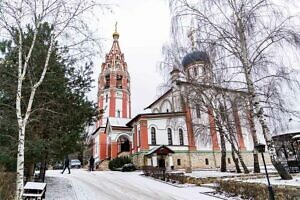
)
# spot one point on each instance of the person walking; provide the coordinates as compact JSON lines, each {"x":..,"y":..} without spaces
{"x":92,"y":162}
{"x":67,"y":165}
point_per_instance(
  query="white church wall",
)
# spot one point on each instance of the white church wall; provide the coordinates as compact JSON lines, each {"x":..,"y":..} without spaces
{"x":162,"y":124}
{"x":203,"y":140}
{"x":171,"y":102}
{"x":119,"y":103}
{"x":166,"y":106}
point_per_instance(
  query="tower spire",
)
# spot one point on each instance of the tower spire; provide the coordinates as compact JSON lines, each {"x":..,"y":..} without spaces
{"x":116,"y":35}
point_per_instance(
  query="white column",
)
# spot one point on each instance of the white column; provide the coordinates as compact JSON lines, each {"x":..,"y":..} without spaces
{"x":154,"y":160}
{"x":170,"y":160}
{"x":149,"y":162}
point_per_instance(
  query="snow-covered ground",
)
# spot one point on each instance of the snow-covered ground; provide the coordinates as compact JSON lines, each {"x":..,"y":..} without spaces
{"x":215,"y":173}
{"x":210,"y":173}
{"x":278,"y":181}
{"x":111,"y":185}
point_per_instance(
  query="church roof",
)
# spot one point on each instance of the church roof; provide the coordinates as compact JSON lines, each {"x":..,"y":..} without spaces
{"x":120,"y":122}
{"x":154,"y":115}
{"x":195,"y":56}
{"x":162,"y":149}
{"x":160,"y":98}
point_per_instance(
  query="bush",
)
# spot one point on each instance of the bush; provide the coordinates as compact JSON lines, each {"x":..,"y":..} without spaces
{"x":118,"y":162}
{"x":258,"y":190}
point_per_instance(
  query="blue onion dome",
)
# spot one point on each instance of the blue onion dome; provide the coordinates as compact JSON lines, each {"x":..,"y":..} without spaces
{"x":196,"y":56}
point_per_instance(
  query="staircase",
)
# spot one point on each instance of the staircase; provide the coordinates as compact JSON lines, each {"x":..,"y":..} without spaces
{"x":103,"y":166}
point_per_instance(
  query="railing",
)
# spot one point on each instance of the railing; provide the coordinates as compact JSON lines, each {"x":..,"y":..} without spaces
{"x":160,"y":173}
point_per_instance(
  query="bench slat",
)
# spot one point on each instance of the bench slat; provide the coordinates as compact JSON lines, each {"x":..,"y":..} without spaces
{"x":32,"y":195}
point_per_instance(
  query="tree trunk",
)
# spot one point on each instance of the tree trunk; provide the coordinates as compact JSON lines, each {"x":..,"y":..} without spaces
{"x":20,"y":164}
{"x":223,"y":144}
{"x":223,"y":152}
{"x":255,"y":141}
{"x":246,"y":171}
{"x":254,"y":101}
{"x":30,"y":172}
{"x":238,"y":153}
{"x":236,"y":161}
{"x":43,"y":171}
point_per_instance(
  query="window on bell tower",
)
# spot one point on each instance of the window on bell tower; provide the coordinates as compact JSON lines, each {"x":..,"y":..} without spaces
{"x":119,"y":81}
{"x":195,"y":71}
{"x":107,"y":81}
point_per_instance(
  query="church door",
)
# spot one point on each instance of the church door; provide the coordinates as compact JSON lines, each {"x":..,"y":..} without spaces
{"x":161,"y":163}
{"x":125,"y":146}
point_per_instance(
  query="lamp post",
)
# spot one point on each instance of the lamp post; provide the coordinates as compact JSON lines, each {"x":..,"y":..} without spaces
{"x":261,"y":149}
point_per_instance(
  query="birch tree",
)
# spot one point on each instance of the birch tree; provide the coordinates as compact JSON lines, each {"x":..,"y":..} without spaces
{"x":67,"y":20}
{"x":249,"y":37}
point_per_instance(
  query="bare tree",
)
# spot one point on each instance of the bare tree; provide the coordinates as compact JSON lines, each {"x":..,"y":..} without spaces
{"x":212,"y":99}
{"x":66,"y":18}
{"x":247,"y":36}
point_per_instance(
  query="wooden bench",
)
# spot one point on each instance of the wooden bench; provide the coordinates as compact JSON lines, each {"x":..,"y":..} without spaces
{"x":34,"y":190}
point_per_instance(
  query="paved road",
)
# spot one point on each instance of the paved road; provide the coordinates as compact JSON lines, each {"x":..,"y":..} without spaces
{"x":108,"y":185}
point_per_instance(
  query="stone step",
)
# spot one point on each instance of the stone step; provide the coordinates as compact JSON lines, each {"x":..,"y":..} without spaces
{"x":103,"y":166}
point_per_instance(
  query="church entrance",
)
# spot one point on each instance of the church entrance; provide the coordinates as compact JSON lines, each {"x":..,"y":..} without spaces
{"x":161,"y":163}
{"x":124,"y":144}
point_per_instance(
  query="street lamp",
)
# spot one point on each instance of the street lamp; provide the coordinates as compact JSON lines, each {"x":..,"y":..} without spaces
{"x":261,"y":149}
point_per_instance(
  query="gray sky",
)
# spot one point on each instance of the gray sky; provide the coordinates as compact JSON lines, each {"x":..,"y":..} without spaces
{"x":144,"y":28}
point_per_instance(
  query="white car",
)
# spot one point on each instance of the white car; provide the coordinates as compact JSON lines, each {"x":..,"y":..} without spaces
{"x":75,"y":163}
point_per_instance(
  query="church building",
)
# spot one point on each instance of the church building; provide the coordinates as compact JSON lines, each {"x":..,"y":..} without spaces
{"x":177,"y":133}
{"x":112,"y":135}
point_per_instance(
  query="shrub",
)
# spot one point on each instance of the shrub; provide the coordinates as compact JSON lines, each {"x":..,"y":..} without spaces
{"x":118,"y":162}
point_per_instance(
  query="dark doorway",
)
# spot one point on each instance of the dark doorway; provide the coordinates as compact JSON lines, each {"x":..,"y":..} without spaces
{"x":161,"y":163}
{"x":124,"y":144}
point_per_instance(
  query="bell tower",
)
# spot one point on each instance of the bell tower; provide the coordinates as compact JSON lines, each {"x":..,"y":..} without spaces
{"x":114,"y":84}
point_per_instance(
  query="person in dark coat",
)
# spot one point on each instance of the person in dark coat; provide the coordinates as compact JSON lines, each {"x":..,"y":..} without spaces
{"x":67,"y":165}
{"x":92,"y":162}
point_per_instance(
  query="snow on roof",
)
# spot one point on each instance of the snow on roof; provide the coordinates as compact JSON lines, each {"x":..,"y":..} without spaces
{"x":160,"y":98}
{"x":153,"y":150}
{"x":296,"y":137}
{"x":114,"y":121}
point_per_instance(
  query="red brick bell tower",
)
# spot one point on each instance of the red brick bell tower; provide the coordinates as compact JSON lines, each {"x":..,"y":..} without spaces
{"x":114,"y":84}
{"x":113,"y":93}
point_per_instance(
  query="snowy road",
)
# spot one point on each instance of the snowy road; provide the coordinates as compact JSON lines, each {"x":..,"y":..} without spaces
{"x":111,"y":185}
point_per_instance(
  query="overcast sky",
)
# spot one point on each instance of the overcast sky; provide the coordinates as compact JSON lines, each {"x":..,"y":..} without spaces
{"x":144,"y":28}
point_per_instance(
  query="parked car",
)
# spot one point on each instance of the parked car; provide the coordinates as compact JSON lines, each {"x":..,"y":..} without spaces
{"x":128,"y":167}
{"x":58,"y":165}
{"x":75,"y":163}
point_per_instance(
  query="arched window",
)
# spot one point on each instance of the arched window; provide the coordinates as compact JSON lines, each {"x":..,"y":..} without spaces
{"x":170,"y":142}
{"x":153,"y":136}
{"x":206,"y":161}
{"x":106,"y":98}
{"x":181,"y":142}
{"x":118,"y":113}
